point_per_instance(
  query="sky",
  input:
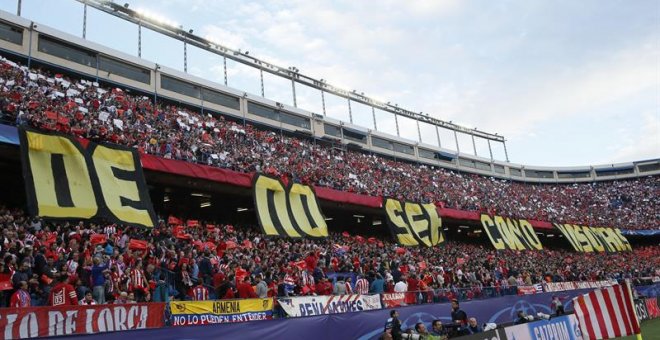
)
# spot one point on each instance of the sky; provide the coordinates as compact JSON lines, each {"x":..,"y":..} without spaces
{"x":568,"y":83}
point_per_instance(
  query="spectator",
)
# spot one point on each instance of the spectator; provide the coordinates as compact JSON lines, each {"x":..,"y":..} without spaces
{"x":245,"y":290}
{"x":98,"y":279}
{"x":63,"y":293}
{"x":377,"y":286}
{"x":457,"y":315}
{"x":199,"y":292}
{"x":362,"y":285}
{"x":557,"y":306}
{"x":438,"y":330}
{"x":393,"y":325}
{"x":20,"y":298}
{"x":88,"y":299}
{"x":262,"y":288}
{"x":473,"y":327}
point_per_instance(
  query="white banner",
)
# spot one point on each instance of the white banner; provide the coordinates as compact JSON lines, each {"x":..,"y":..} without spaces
{"x":331,"y":304}
{"x":562,"y":286}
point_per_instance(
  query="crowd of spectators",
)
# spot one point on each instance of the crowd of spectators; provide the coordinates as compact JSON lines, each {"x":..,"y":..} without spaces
{"x":51,"y":263}
{"x":49,"y":101}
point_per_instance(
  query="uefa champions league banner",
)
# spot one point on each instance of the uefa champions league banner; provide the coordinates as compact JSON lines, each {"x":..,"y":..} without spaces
{"x":564,"y":327}
{"x":357,"y":325}
{"x":331,"y":304}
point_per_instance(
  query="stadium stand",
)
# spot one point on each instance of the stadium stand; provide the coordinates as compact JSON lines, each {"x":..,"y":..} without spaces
{"x":171,"y":261}
{"x":55,"y":102}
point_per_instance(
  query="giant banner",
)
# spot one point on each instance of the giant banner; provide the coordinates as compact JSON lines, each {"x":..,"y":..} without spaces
{"x":594,"y":239}
{"x":331,"y":304}
{"x":188,"y":313}
{"x":506,"y":233}
{"x":291,"y":211}
{"x":65,"y":179}
{"x":413,"y":224}
{"x":31,"y":322}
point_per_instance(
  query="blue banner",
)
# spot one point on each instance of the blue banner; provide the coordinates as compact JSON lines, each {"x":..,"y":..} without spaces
{"x":649,"y":291}
{"x":654,"y":232}
{"x":8,"y":134}
{"x":360,"y":325}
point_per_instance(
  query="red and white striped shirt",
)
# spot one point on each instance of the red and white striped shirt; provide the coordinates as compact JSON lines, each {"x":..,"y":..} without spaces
{"x":137,"y":278}
{"x":71,"y":266}
{"x":362,"y":286}
{"x":306,"y":278}
{"x":200,"y":293}
{"x":109,"y":230}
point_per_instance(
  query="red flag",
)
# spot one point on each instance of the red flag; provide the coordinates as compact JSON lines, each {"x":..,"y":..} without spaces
{"x":210,"y":227}
{"x":400,"y":250}
{"x":198,"y":244}
{"x":247,"y":244}
{"x":5,"y":282}
{"x":360,"y":239}
{"x":345,"y":234}
{"x":460,"y":261}
{"x":607,"y":313}
{"x":193,"y":223}
{"x":178,"y":230}
{"x":231,"y":245}
{"x":63,"y":120}
{"x":372,"y":240}
{"x":51,"y":115}
{"x":380,"y":244}
{"x":422,"y":265}
{"x":173,"y":220}
{"x":137,"y":244}
{"x":302,"y":265}
{"x":184,"y":236}
{"x":98,"y":239}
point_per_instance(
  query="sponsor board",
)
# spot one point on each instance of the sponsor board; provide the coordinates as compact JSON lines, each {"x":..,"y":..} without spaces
{"x":560,"y":328}
{"x":220,"y":311}
{"x":31,"y":322}
{"x":331,"y":304}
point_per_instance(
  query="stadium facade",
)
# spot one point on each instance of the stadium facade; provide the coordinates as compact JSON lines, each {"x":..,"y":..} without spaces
{"x":39,"y":44}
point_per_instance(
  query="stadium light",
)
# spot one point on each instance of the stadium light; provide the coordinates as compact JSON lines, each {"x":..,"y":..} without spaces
{"x":205,"y":205}
{"x":241,"y":209}
{"x":158,"y":18}
{"x":377,"y":222}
